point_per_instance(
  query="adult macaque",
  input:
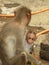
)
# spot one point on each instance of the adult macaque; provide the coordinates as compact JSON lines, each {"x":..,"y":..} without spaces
{"x":12,"y":39}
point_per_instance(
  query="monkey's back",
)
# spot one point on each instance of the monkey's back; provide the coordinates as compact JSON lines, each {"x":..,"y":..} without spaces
{"x":11,"y":43}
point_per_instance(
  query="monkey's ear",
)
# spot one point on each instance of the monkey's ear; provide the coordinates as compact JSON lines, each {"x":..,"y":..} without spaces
{"x":28,"y":17}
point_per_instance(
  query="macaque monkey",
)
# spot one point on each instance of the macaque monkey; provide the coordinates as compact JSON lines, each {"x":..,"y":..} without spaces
{"x":12,"y":39}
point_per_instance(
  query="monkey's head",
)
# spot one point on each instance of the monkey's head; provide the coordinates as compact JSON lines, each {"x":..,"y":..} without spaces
{"x":23,"y":15}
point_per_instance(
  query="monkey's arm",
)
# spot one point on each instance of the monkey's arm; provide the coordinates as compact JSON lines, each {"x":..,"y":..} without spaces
{"x":32,"y":59}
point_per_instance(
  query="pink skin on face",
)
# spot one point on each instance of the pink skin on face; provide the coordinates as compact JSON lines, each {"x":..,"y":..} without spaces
{"x":31,"y":38}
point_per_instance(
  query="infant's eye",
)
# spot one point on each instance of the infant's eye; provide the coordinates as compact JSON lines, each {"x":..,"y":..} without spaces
{"x":31,"y":38}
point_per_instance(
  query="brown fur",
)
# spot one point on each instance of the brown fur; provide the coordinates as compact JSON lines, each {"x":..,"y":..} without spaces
{"x":12,"y":40}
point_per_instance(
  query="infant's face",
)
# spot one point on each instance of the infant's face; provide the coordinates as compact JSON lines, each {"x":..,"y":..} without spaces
{"x":31,"y":38}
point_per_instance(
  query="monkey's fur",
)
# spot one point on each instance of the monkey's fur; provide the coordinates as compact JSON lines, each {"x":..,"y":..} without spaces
{"x":12,"y":40}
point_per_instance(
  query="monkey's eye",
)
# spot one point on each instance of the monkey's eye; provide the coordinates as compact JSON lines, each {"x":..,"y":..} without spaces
{"x":31,"y":38}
